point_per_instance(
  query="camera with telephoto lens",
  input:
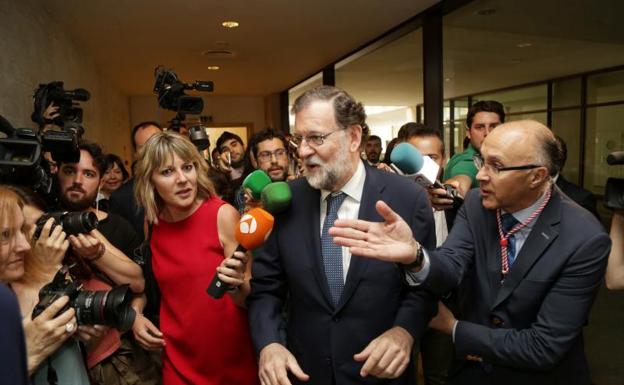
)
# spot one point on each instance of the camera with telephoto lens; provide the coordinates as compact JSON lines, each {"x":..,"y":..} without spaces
{"x":614,"y":189}
{"x":73,"y":223}
{"x":103,"y":307}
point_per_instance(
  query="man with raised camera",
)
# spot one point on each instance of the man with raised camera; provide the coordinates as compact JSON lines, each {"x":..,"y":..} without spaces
{"x":107,"y":251}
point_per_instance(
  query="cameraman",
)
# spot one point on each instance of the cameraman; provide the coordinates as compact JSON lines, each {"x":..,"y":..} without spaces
{"x":614,"y":277}
{"x":106,"y":250}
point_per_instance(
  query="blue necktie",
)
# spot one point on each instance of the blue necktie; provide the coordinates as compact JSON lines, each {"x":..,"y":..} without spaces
{"x":508,"y":223}
{"x":332,"y":253}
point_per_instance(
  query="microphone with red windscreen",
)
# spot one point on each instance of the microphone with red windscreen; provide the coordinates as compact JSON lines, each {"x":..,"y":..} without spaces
{"x":253,"y":229}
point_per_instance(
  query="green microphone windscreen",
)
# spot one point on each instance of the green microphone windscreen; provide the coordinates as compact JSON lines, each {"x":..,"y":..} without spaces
{"x":255,"y":182}
{"x":276,"y":197}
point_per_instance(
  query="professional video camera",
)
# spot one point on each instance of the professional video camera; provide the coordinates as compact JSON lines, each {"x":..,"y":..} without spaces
{"x":69,"y":113}
{"x":614,"y":190}
{"x":102,"y":307}
{"x":21,"y":159}
{"x":171,"y":96}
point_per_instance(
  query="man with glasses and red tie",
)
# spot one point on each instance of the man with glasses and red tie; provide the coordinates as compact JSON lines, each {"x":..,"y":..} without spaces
{"x":532,"y":261}
{"x":350,"y":320}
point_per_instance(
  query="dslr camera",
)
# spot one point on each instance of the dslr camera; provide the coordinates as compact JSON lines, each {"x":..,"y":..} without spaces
{"x":103,"y":307}
{"x":73,"y":223}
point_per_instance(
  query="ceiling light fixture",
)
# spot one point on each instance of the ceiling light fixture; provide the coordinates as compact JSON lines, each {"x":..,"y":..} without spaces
{"x":213,"y":68}
{"x":523,"y":45}
{"x":230,"y":24}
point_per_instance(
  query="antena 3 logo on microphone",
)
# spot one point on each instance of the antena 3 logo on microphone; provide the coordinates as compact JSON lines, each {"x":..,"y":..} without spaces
{"x":253,"y":228}
{"x":247,"y":224}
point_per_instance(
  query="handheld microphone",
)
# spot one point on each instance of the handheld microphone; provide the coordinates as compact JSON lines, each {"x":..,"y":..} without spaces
{"x":253,"y":229}
{"x":276,"y":197}
{"x":410,"y":162}
{"x":255,"y":182}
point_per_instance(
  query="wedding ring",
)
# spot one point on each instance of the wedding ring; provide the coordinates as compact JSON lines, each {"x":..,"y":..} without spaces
{"x":69,"y":327}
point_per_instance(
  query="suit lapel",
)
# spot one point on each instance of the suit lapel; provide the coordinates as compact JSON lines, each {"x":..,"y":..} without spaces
{"x":358,"y":265}
{"x":541,"y":236}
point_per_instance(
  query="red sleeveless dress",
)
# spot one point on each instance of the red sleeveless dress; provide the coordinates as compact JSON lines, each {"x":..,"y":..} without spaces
{"x":207,"y":340}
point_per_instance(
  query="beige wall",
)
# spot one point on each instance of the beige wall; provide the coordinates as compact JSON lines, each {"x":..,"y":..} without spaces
{"x":36,"y":50}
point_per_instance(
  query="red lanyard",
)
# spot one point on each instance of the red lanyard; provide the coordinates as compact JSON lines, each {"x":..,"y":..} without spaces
{"x":504,"y":237}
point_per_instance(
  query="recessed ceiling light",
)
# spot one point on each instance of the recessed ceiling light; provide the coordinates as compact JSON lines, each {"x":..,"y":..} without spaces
{"x":214,"y":68}
{"x":486,"y":12}
{"x":523,"y":45}
{"x":447,"y":79}
{"x":230,"y":24}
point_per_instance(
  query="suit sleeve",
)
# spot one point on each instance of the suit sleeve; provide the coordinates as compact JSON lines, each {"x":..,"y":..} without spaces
{"x":559,"y":320}
{"x":418,"y":306}
{"x":268,"y":293}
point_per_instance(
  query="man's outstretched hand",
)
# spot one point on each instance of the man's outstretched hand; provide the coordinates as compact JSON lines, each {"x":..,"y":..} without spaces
{"x":390,"y":240}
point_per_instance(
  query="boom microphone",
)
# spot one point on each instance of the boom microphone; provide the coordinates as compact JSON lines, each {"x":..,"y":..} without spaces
{"x":253,"y":229}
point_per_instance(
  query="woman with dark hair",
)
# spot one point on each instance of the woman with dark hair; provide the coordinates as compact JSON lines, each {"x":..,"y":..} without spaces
{"x":204,"y":340}
{"x":115,"y":175}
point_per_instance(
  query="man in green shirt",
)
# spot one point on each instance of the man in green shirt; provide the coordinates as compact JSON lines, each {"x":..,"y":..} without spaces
{"x":482,"y":118}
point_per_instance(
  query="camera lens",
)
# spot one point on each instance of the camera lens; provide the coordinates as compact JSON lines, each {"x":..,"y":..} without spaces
{"x":111,"y":308}
{"x":78,"y":222}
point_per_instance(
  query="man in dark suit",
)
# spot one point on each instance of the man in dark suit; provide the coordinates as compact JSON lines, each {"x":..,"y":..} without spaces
{"x":122,"y":201}
{"x":529,"y":288}
{"x":350,"y":320}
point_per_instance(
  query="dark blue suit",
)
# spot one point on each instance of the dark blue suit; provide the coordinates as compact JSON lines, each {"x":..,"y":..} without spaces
{"x":528,"y":330}
{"x":289,"y":268}
{"x":12,"y":349}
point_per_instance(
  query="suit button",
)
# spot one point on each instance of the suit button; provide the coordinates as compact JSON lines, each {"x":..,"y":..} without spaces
{"x":336,"y":319}
{"x":328,"y":360}
{"x":497,"y":321}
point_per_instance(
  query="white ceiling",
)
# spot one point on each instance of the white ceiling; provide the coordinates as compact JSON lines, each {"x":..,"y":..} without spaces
{"x":278,"y":43}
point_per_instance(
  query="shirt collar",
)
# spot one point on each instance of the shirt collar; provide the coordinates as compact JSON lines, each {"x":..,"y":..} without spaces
{"x":354,"y":187}
{"x":524,"y":214}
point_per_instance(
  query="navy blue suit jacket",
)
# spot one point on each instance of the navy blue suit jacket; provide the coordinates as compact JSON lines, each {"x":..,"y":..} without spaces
{"x":289,"y":271}
{"x":528,"y":330}
{"x":12,"y":348}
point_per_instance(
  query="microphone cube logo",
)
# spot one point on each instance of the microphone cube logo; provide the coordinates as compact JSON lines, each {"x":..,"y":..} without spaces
{"x":247,"y":224}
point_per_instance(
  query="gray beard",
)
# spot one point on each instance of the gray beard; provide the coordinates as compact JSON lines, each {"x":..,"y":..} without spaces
{"x":330,"y":173}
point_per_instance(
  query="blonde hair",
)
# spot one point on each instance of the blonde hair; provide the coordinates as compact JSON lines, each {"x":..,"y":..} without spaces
{"x":34,"y":267}
{"x":157,"y":151}
{"x":9,"y":201}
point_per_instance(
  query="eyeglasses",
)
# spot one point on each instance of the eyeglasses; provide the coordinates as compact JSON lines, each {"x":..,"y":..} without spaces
{"x":495,"y":170}
{"x":314,"y":139}
{"x":266,"y":156}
